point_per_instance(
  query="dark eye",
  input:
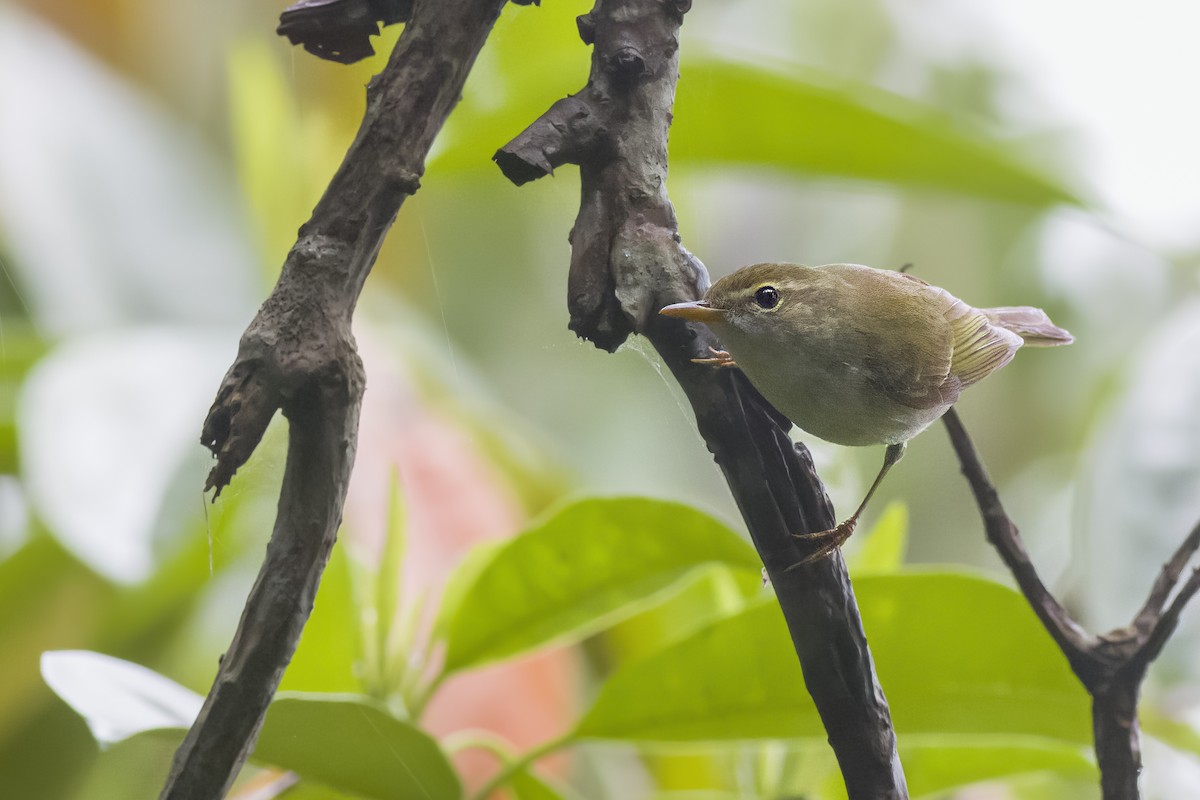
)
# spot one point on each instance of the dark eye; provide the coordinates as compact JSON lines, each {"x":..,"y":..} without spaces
{"x":767,"y":297}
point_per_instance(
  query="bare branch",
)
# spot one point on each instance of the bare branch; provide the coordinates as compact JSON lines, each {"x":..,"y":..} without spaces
{"x":298,"y":355}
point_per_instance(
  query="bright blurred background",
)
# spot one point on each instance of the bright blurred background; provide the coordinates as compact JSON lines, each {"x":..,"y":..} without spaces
{"x":157,"y":158}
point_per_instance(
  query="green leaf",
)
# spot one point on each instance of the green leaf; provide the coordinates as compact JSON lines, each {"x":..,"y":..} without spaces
{"x":883,"y":548}
{"x":961,"y":653}
{"x":329,"y":648}
{"x":387,"y":637}
{"x":46,"y":598}
{"x":935,"y":767}
{"x":731,"y":113}
{"x":704,"y":595}
{"x":118,"y":698}
{"x":315,"y":791}
{"x":342,"y":741}
{"x":955,"y":653}
{"x":806,"y":120}
{"x":284,"y":158}
{"x":350,"y":745}
{"x":735,"y":679}
{"x":527,"y":786}
{"x":134,"y":768}
{"x":591,"y":564}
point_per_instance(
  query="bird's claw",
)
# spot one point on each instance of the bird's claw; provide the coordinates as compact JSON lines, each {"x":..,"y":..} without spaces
{"x":829,"y":540}
{"x":721,"y":358}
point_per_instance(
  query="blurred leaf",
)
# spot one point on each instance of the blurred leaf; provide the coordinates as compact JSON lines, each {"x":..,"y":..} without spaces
{"x":731,"y":113}
{"x":527,"y":786}
{"x":122,"y":404}
{"x":1177,"y":734}
{"x":934,"y":767}
{"x":945,"y":671}
{"x":329,"y":651}
{"x":391,"y":570}
{"x":284,"y":159}
{"x":452,"y":384}
{"x":342,"y":741}
{"x":350,"y":745}
{"x":1048,"y":786}
{"x":507,"y":89}
{"x":312,"y":791}
{"x":47,"y":599}
{"x":581,"y":570}
{"x":386,"y":641}
{"x":754,"y":768}
{"x":20,"y":348}
{"x":45,"y":749}
{"x":883,"y":548}
{"x":136,"y":217}
{"x":118,"y":698}
{"x":134,"y":768}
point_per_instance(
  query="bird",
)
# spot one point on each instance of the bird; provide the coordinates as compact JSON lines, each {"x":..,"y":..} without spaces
{"x":858,"y":356}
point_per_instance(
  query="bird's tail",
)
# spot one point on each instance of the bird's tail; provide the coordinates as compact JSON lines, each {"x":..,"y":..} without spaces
{"x":1031,"y":324}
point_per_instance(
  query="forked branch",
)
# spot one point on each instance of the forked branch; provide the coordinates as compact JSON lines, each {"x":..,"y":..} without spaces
{"x":1112,"y":666}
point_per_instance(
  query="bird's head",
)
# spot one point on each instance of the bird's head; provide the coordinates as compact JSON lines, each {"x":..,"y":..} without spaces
{"x":753,"y":299}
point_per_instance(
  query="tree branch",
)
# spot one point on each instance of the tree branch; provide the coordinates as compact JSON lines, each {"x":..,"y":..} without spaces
{"x":298,"y":355}
{"x":627,"y":262}
{"x":1111,"y":667}
{"x":1167,"y":579}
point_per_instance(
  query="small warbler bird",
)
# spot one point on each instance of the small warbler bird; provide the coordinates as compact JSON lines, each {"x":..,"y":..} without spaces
{"x":859,"y":356}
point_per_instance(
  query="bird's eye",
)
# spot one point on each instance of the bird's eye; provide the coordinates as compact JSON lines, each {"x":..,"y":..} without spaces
{"x":767,"y":297}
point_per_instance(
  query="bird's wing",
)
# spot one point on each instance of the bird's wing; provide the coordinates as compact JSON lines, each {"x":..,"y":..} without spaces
{"x":914,"y":372}
{"x":961,"y":347}
{"x":918,"y":381}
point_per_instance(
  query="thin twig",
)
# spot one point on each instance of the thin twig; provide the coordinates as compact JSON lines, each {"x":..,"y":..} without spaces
{"x":1072,"y":639}
{"x":1165,"y":625}
{"x":1168,"y":577}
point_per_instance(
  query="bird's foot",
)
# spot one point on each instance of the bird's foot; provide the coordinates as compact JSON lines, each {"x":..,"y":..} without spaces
{"x":721,"y":358}
{"x":828,"y":542}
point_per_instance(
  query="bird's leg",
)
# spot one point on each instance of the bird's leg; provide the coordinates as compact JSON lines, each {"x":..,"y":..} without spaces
{"x":834,"y":538}
{"x":721,"y":358}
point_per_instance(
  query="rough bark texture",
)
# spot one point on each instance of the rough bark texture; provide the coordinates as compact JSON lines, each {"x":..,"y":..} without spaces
{"x":1111,"y":666}
{"x":627,"y":262}
{"x":298,"y":355}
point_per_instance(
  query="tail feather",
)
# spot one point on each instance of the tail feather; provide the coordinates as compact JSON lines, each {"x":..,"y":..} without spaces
{"x":1031,"y":324}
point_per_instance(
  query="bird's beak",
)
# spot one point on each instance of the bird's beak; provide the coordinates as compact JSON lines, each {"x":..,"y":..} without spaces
{"x":696,"y":311}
